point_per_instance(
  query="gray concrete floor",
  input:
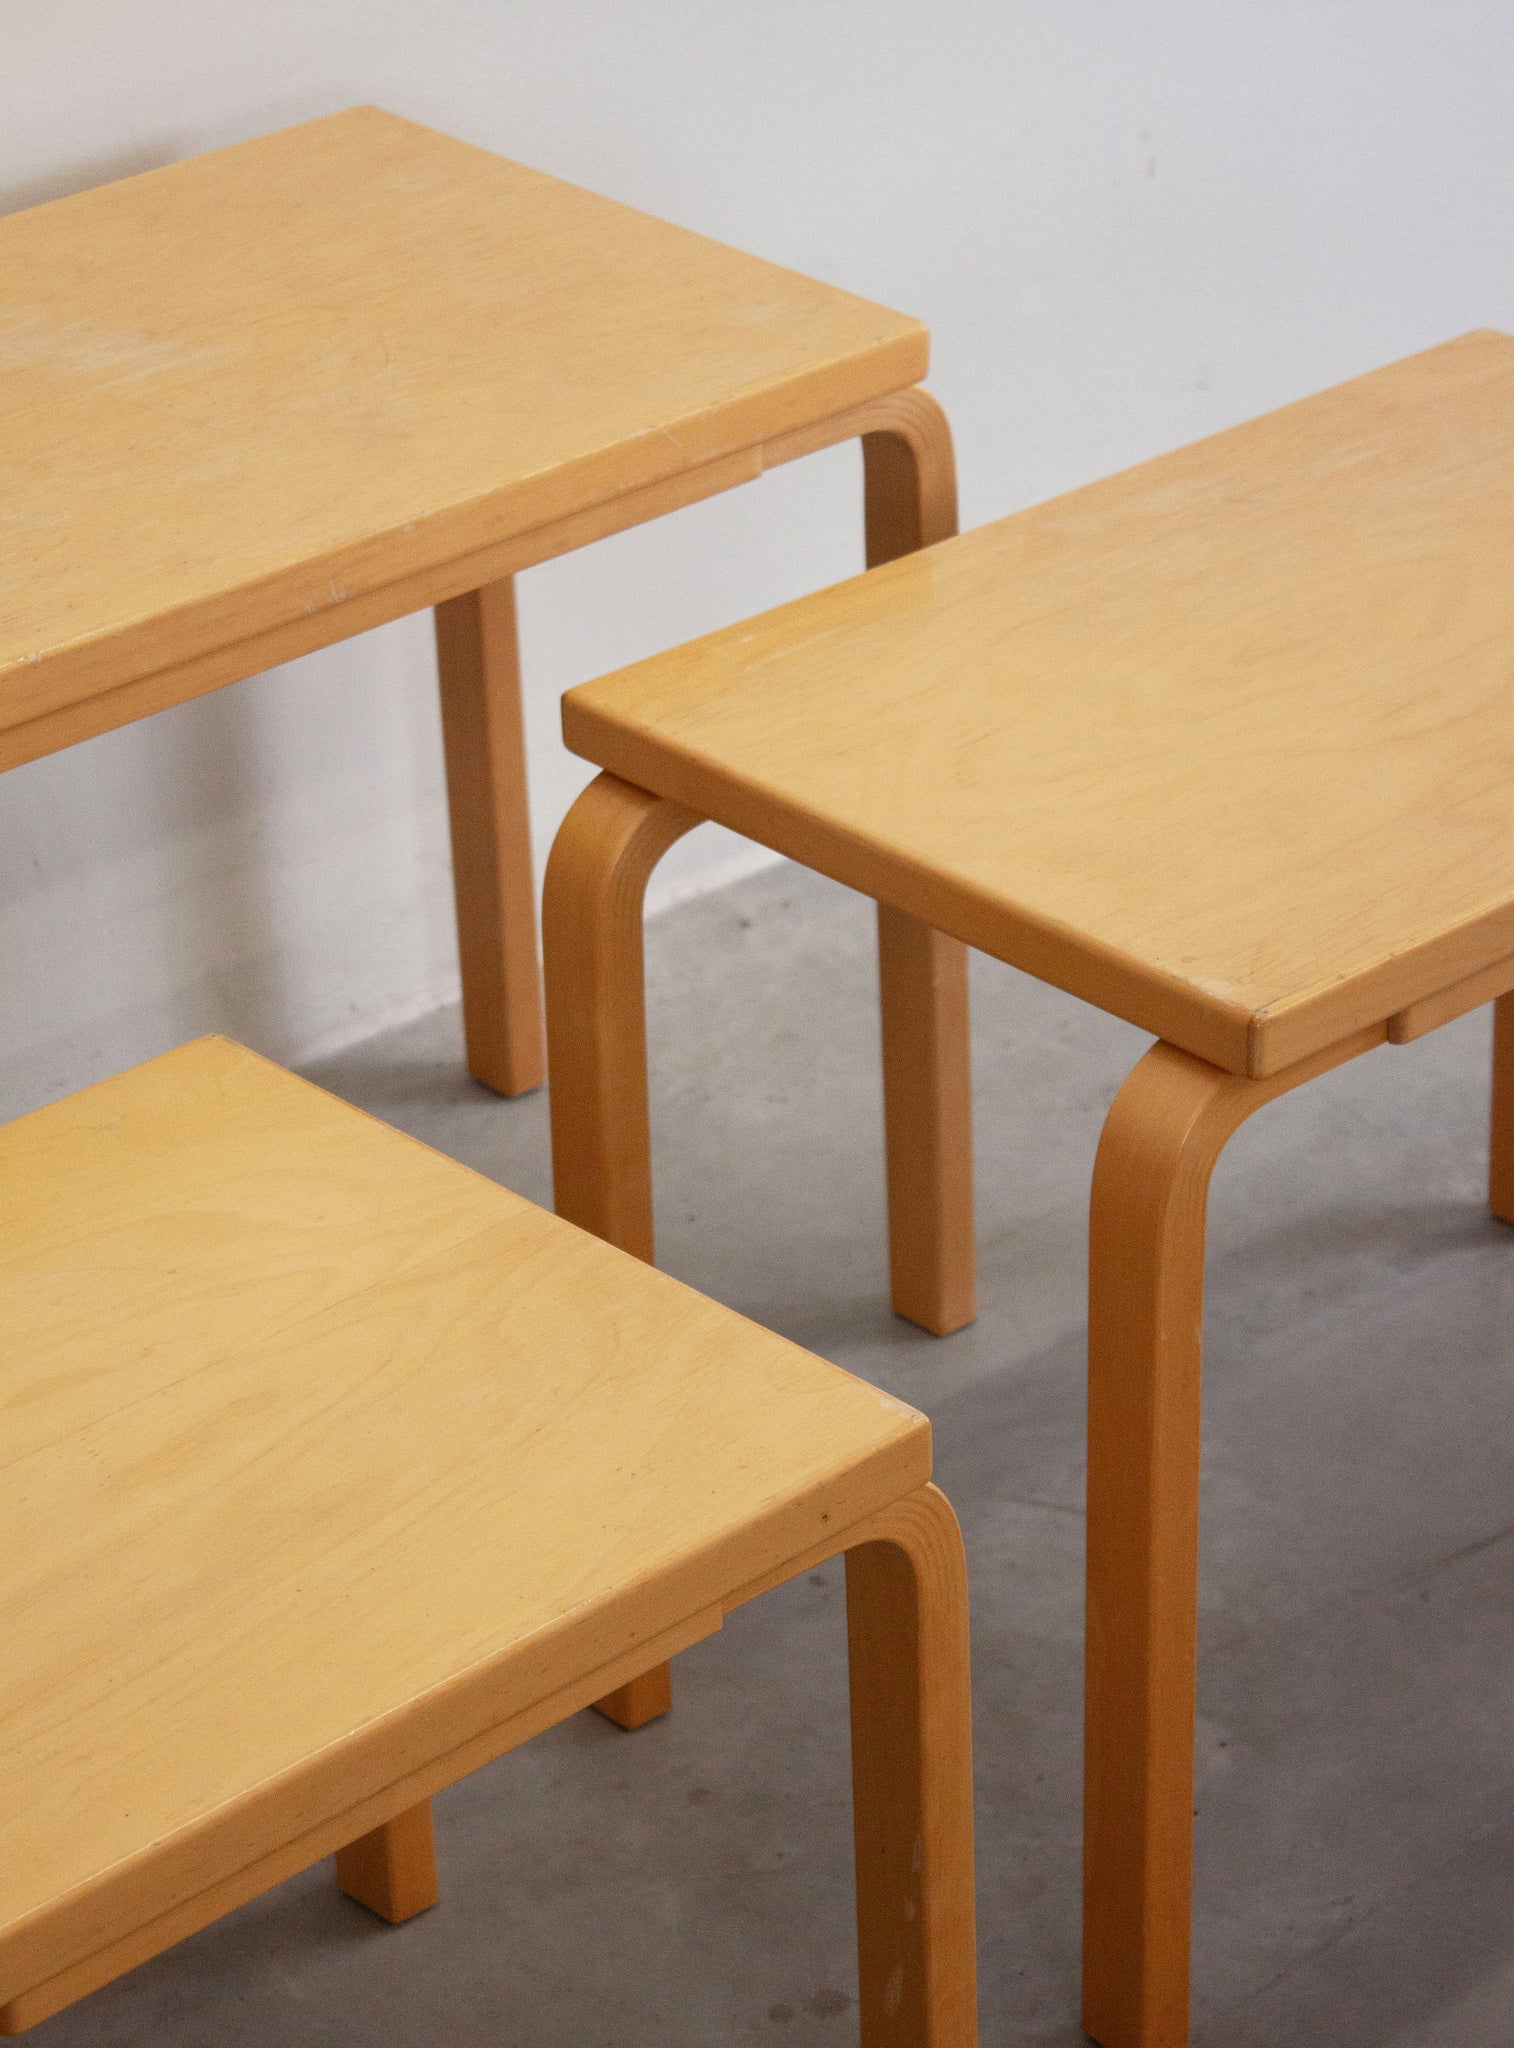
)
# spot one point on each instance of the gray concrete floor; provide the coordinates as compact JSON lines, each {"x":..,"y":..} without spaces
{"x":689,"y":1885}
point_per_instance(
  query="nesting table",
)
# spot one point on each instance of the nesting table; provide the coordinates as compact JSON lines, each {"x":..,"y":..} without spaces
{"x":334,"y":1470}
{"x":267,"y":398}
{"x":1223,"y":745}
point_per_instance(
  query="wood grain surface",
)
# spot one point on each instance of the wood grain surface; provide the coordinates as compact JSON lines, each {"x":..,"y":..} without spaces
{"x":328,"y":1461}
{"x":1223,"y":744}
{"x":243,"y":390}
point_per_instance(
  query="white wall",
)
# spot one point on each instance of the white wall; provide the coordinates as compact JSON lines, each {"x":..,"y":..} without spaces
{"x":1128,"y":222}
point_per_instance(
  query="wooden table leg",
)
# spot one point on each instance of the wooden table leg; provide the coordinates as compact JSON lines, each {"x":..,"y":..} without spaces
{"x":928,"y":1121}
{"x":1164,"y":1133}
{"x":910,"y":493}
{"x":1501,"y":1146}
{"x":479,"y":673}
{"x":906,"y":1612}
{"x":392,"y":1870}
{"x":602,"y":859}
{"x":597,"y":876}
{"x":909,"y":476}
{"x":639,"y":1700}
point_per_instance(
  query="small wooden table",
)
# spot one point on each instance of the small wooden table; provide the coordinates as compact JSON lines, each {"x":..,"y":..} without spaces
{"x":1224,"y":745}
{"x":270,"y":397}
{"x":334,"y":1470}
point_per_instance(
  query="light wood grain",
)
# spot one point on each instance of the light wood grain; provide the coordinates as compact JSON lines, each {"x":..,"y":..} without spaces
{"x":277,"y":1377}
{"x":1222,"y":745}
{"x":1162,"y":1137}
{"x":408,"y":1795}
{"x":596,"y":883}
{"x":85,"y":717}
{"x":478,"y":667}
{"x":31,"y":737}
{"x":428,"y":368}
{"x":420,"y":349}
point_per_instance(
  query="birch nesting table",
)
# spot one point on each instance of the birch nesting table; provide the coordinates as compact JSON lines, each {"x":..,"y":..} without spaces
{"x":334,"y":1470}
{"x":270,"y":397}
{"x":1224,"y":745}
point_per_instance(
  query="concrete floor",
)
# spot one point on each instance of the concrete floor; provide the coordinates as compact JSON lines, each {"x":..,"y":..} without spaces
{"x":689,"y":1885}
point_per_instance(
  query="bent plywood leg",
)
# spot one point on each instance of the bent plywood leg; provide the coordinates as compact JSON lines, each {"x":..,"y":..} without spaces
{"x":597,"y":1049}
{"x":927,"y":1117}
{"x":906,"y":1608}
{"x":479,"y":672}
{"x":1167,"y":1127}
{"x":910,"y":490}
{"x":597,"y":875}
{"x":909,"y":475}
{"x":1146,"y":1277}
{"x":392,"y":1871}
{"x":1501,"y":1146}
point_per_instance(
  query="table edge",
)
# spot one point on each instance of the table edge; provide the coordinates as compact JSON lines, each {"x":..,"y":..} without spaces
{"x":295,"y":597}
{"x":1253,"y":1042}
{"x":461,"y":1715}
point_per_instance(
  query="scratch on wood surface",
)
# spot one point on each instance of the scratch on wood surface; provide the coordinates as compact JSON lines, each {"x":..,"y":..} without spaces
{"x":30,"y":338}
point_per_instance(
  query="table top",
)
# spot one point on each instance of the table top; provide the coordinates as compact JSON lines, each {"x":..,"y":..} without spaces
{"x":323,"y":1453}
{"x":1224,"y":744}
{"x":261,"y":382}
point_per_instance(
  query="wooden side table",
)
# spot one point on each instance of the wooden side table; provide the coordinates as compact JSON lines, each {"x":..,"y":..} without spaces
{"x":1223,"y":745}
{"x":334,"y":1471}
{"x":271,"y":397}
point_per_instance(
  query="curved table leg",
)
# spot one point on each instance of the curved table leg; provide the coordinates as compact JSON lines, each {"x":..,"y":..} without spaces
{"x":906,"y":1585}
{"x":1166,"y":1129}
{"x":597,"y":876}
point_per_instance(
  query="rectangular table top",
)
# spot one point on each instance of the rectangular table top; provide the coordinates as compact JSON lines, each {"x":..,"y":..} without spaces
{"x":265,"y":381}
{"x":1224,"y":744}
{"x":322,"y":1455}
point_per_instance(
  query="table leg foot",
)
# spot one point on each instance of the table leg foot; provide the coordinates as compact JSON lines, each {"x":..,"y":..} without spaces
{"x":392,"y":1870}
{"x":640,"y":1700}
